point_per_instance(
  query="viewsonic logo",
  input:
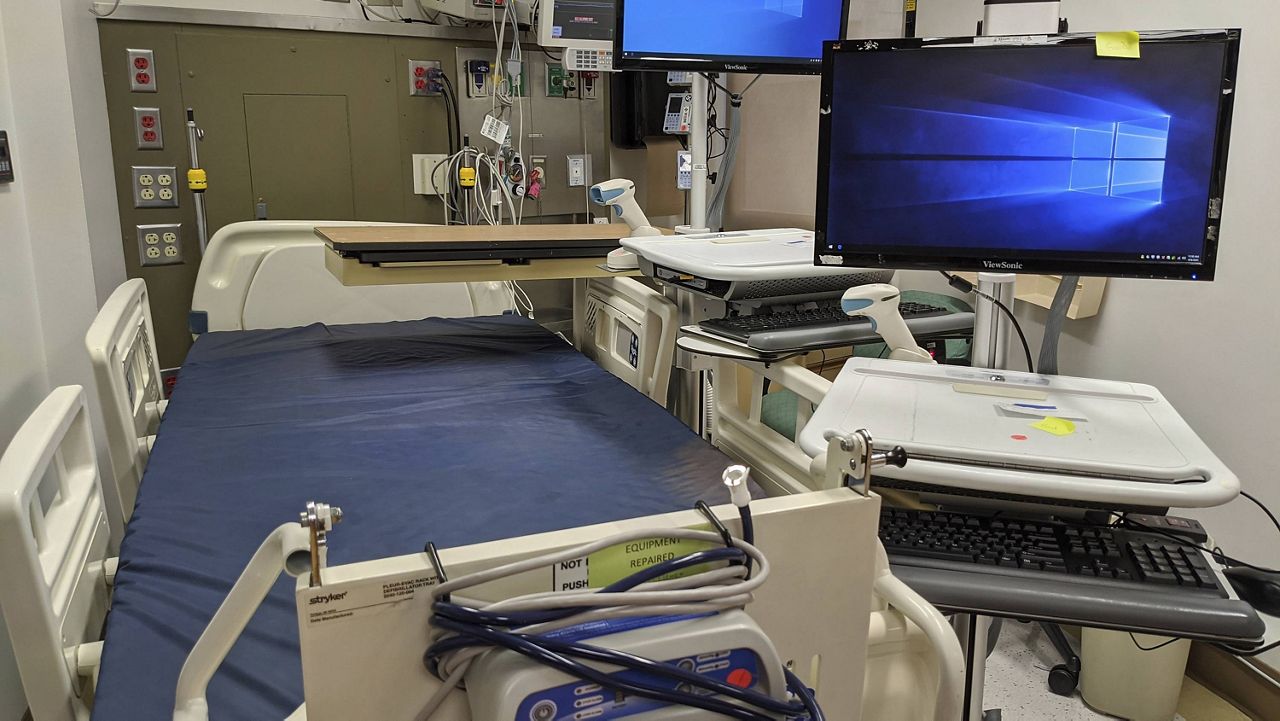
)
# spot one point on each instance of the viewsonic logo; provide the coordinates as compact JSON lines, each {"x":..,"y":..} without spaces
{"x":730,"y":66}
{"x":1001,"y":265}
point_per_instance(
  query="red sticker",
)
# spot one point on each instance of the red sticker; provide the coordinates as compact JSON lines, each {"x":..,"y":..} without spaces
{"x":1018,"y":437}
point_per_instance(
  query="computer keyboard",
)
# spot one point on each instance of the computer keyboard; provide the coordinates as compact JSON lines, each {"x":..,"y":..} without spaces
{"x":800,"y":328}
{"x":1042,"y":548}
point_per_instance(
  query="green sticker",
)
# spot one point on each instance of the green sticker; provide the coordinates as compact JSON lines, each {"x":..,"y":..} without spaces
{"x":617,"y":562}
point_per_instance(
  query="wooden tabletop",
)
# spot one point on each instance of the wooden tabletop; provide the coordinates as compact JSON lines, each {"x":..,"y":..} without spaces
{"x":355,"y":237}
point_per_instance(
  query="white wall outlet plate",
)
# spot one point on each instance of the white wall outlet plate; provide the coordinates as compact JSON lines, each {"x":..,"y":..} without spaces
{"x":430,"y":174}
{"x":155,"y":186}
{"x":160,"y":244}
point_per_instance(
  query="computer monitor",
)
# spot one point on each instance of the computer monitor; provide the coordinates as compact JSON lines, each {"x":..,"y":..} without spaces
{"x":747,"y":36}
{"x":1032,"y":155}
{"x":584,"y":28}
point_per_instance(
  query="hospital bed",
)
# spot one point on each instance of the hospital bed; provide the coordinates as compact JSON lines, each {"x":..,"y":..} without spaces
{"x":510,"y":432}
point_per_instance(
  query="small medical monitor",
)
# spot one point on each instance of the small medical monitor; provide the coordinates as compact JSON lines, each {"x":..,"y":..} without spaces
{"x":1035,"y":154}
{"x":747,"y":36}
{"x":577,"y":22}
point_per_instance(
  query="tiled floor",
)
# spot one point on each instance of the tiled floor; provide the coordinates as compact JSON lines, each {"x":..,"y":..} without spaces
{"x":1016,"y":684}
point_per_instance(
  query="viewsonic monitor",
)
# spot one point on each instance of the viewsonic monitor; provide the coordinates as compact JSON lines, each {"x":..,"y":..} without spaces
{"x":1032,"y":155}
{"x":747,"y":36}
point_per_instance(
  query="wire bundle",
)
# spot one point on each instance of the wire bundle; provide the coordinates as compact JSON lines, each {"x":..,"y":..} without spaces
{"x":466,"y":630}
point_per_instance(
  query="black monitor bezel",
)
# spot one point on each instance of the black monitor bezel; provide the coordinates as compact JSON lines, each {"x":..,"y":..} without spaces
{"x":1041,"y":262}
{"x":718,"y":63}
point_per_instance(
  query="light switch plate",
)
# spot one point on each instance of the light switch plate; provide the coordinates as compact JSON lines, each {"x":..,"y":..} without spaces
{"x":160,"y":244}
{"x":155,"y":186}
{"x":147,"y":130}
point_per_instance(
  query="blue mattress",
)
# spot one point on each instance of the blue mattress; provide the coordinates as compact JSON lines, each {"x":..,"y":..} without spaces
{"x":456,"y":431}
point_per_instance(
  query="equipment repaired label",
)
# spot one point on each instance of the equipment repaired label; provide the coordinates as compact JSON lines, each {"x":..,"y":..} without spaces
{"x":328,"y":604}
{"x":617,"y":562}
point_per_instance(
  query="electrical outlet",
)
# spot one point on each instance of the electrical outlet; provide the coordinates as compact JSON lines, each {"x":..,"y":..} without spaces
{"x":154,"y":186}
{"x":425,"y":78}
{"x":160,"y":244}
{"x":142,"y":71}
{"x":147,"y":130}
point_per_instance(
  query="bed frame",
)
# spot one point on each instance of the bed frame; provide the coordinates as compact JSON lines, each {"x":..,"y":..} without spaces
{"x":121,"y":345}
{"x":53,"y":556}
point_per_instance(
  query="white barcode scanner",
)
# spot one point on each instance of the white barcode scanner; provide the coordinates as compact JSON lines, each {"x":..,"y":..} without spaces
{"x":879,"y":303}
{"x":620,"y":195}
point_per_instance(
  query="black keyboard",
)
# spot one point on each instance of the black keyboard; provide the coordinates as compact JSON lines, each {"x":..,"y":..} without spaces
{"x":742,"y":327}
{"x":1043,"y":548}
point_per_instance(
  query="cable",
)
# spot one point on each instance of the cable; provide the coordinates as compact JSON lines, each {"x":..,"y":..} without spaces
{"x":470,"y":632}
{"x":1265,"y":510}
{"x":114,"y":7}
{"x":364,"y":5}
{"x":965,"y":286}
{"x":1157,"y":647}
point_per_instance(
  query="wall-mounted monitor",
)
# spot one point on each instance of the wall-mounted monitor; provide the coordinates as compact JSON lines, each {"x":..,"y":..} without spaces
{"x":747,"y":36}
{"x":1036,"y":155}
{"x":584,"y":28}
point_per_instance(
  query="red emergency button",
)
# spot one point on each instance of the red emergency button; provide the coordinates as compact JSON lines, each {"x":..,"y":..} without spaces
{"x":741,"y":678}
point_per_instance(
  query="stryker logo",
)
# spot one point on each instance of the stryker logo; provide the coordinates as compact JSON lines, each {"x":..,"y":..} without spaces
{"x":327,"y":598}
{"x":730,"y":66}
{"x":1001,"y":265}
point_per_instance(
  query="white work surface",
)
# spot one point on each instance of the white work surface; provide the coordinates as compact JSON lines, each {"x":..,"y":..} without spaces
{"x":963,"y":427}
{"x":742,"y":255}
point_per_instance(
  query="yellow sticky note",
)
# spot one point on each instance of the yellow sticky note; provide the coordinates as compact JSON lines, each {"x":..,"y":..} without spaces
{"x":1119,"y":45}
{"x":1056,"y":426}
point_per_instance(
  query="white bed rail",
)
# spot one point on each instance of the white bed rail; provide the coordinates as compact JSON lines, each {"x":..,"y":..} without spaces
{"x":53,"y":544}
{"x":629,"y":329}
{"x":121,"y":345}
{"x":271,"y":274}
{"x":777,"y":461}
{"x":910,"y":647}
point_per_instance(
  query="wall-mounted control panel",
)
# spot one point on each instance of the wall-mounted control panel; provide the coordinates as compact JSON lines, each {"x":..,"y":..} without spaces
{"x":142,"y":71}
{"x":155,"y":186}
{"x":679,"y":109}
{"x":147,"y":130}
{"x":160,"y":244}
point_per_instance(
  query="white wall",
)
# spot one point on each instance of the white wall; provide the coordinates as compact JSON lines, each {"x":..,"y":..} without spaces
{"x":59,"y":227}
{"x":23,"y":382}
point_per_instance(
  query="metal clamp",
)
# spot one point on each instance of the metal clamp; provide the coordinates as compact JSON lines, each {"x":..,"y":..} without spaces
{"x":319,"y":519}
{"x":852,"y":457}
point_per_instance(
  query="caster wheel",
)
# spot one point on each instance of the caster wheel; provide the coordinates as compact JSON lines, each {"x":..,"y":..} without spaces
{"x":1062,"y":680}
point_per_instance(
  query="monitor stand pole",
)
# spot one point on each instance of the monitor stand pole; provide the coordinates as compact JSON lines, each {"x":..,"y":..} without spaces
{"x":991,"y":336}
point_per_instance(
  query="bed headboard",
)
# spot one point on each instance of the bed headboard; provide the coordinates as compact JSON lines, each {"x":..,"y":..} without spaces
{"x":271,"y":274}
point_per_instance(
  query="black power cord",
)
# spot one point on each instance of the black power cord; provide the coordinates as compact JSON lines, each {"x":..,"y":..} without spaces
{"x":965,"y":286}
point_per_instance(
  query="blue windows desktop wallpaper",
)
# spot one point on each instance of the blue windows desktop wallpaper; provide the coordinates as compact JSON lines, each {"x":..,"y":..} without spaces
{"x":732,"y":28}
{"x":1025,"y":149}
